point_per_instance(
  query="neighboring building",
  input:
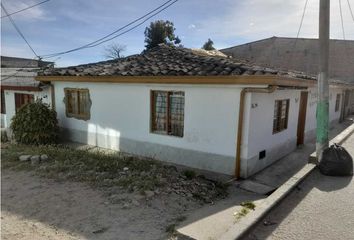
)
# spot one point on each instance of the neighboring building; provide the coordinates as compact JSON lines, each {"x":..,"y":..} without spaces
{"x":181,"y":106}
{"x":297,"y":54}
{"x":18,"y":85}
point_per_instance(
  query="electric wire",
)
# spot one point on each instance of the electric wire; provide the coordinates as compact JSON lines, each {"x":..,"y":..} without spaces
{"x":17,"y":71}
{"x":341,"y":18}
{"x":350,"y":9}
{"x":24,"y":9}
{"x":18,"y":30}
{"x":106,"y":38}
{"x":297,"y":35}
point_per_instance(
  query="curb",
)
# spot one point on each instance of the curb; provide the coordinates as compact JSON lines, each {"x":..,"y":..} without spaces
{"x":253,"y":217}
{"x":245,"y":224}
{"x":339,"y":139}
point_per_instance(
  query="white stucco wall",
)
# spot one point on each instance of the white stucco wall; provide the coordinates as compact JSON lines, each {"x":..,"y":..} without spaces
{"x":10,"y":102}
{"x":258,"y":135}
{"x":259,"y":126}
{"x":120,"y":120}
{"x":122,"y":112}
{"x":311,"y":110}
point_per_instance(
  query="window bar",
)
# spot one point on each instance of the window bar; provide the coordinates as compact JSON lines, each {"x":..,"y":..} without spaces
{"x":168,"y":113}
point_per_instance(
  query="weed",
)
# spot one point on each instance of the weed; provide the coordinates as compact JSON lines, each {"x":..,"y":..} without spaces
{"x":249,"y":205}
{"x":190,"y":174}
{"x":246,"y":208}
{"x":181,"y":218}
{"x":171,"y":229}
{"x":102,"y":169}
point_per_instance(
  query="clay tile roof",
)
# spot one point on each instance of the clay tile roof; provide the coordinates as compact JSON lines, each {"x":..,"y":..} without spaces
{"x":165,"y":60}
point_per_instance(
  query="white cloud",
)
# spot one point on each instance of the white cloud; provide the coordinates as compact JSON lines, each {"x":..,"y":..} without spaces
{"x":258,"y":19}
{"x":191,"y":26}
{"x":35,"y":13}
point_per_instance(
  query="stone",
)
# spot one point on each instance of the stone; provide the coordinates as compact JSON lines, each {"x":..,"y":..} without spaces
{"x":24,"y":158}
{"x":149,"y":194}
{"x":138,"y":197}
{"x":125,"y":169}
{"x":126,"y":206}
{"x":135,"y":203}
{"x":35,"y":159}
{"x":44,"y":157}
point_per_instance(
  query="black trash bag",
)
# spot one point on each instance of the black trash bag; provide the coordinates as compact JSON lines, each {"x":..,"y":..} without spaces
{"x":336,"y":161}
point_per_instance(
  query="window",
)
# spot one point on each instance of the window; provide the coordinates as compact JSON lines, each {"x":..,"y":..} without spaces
{"x":167,"y":112}
{"x":77,"y":103}
{"x":281,"y":114}
{"x":3,"y":107}
{"x":337,"y":103}
{"x":22,"y":99}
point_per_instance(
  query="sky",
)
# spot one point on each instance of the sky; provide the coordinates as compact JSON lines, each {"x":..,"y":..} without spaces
{"x":60,"y":25}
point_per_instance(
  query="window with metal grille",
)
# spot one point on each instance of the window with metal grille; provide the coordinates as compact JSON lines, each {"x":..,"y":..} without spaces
{"x":167,"y":112}
{"x":336,"y":109}
{"x":77,"y":103}
{"x":22,"y":99}
{"x":281,"y":115}
{"x":3,"y":106}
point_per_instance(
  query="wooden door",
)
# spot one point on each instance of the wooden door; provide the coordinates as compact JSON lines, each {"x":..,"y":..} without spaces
{"x":302,"y":118}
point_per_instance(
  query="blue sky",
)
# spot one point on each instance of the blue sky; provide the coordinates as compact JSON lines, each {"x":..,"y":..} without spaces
{"x":64,"y":24}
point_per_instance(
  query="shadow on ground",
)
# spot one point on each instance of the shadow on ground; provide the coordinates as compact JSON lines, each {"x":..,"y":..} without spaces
{"x":77,"y":211}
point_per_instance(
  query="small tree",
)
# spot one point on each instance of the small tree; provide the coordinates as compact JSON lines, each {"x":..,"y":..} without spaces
{"x":35,"y":123}
{"x":208,"y":45}
{"x":114,"y":51}
{"x":160,"y":31}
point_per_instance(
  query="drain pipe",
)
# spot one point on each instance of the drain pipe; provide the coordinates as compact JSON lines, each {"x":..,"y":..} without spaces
{"x":269,"y":89}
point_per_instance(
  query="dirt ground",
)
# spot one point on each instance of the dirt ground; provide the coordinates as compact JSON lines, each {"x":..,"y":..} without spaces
{"x":40,"y":208}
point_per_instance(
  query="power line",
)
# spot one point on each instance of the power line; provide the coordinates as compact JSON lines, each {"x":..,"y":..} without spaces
{"x":18,"y":30}
{"x":341,"y":18}
{"x":17,"y":71}
{"x":134,"y":26}
{"x":24,"y":9}
{"x":106,"y":38}
{"x":350,"y":9}
{"x":297,"y":34}
{"x":302,"y":19}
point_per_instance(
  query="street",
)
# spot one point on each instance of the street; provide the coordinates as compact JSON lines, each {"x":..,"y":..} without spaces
{"x":321,"y":207}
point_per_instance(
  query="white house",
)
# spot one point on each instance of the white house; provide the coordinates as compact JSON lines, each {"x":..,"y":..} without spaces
{"x":180,"y":106}
{"x":19,"y":87}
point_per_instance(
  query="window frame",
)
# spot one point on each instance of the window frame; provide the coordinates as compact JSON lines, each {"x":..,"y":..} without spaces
{"x":3,"y":104}
{"x":80,"y":116}
{"x":168,"y":119}
{"x":337,"y":103}
{"x":279,"y":104}
{"x":20,"y":99}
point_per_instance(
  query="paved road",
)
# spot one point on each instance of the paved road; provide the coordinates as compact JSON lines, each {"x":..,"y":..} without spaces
{"x":321,"y":208}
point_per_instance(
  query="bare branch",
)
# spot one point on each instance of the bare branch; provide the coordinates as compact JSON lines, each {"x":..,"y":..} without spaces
{"x":114,"y":51}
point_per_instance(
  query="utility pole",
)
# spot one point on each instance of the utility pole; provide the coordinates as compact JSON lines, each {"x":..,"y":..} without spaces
{"x":322,"y":81}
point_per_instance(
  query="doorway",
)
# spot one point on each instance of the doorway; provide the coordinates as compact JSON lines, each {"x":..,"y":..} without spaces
{"x":302,"y":118}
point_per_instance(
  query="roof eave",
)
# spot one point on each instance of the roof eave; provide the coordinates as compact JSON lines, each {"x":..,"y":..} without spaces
{"x":220,"y":80}
{"x":21,"y":88}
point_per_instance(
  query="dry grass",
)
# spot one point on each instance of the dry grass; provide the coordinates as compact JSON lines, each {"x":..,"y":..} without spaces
{"x":107,"y":170}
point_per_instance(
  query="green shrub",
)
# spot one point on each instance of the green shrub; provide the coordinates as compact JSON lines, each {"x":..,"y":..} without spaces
{"x":35,"y":123}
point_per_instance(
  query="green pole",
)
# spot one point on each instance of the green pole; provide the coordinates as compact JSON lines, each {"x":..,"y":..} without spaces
{"x":322,"y":81}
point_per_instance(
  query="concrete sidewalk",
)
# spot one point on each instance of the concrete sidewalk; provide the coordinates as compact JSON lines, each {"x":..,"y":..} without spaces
{"x":211,"y":222}
{"x":321,"y":208}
